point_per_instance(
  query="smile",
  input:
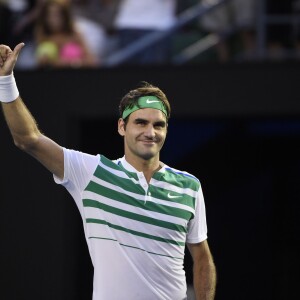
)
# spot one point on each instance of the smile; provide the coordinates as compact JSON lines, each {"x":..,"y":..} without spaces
{"x":149,"y":142}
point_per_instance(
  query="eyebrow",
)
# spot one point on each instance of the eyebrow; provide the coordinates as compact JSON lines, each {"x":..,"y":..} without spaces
{"x":157,"y":123}
{"x":140,"y":120}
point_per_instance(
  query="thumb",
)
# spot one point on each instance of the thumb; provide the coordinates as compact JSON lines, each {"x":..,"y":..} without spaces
{"x":17,"y":50}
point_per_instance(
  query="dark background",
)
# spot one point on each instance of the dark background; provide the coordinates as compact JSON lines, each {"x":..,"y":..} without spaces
{"x":235,"y":127}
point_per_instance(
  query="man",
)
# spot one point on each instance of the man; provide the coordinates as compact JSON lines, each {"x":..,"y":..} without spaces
{"x":138,"y":213}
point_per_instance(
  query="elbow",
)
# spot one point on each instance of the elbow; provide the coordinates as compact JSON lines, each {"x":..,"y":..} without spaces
{"x":26,"y":144}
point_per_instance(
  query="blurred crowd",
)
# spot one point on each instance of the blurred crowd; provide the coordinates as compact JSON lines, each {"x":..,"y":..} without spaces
{"x":85,"y":33}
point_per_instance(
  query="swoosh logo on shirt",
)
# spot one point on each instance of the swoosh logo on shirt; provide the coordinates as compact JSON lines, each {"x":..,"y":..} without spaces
{"x":151,"y":101}
{"x":172,"y":196}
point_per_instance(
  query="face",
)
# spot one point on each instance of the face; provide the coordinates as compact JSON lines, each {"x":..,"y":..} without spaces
{"x":144,"y":133}
{"x":55,"y":17}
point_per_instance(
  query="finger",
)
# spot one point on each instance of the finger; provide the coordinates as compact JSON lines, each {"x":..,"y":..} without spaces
{"x":2,"y":60}
{"x":4,"y":48}
{"x":4,"y":51}
{"x":18,"y":49}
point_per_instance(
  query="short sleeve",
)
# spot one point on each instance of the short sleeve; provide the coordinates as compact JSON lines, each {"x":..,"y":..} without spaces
{"x":79,"y":168}
{"x":197,"y":228}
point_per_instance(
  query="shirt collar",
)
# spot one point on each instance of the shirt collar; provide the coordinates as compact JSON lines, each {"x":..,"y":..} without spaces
{"x":130,"y":168}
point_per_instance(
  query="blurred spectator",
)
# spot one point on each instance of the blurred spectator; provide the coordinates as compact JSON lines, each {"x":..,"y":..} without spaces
{"x":136,"y":18}
{"x":94,"y":19}
{"x":102,"y":12}
{"x":236,"y":14}
{"x":58,"y":43}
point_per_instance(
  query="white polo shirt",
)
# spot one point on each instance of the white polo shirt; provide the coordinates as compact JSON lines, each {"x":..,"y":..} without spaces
{"x":136,"y":232}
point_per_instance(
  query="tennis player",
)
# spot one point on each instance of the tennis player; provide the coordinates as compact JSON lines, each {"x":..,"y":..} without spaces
{"x":138,"y":213}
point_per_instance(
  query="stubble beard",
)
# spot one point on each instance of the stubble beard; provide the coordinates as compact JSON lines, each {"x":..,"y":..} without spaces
{"x":144,"y":153}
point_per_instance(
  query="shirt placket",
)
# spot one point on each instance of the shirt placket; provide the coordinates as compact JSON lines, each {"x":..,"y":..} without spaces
{"x":144,"y":184}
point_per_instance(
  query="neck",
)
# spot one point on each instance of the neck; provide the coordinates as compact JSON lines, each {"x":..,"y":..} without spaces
{"x":148,"y":167}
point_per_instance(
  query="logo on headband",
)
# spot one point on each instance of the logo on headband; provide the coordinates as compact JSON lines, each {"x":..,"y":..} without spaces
{"x":151,"y":101}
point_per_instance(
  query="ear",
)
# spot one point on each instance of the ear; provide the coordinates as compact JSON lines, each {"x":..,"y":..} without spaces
{"x":121,"y":127}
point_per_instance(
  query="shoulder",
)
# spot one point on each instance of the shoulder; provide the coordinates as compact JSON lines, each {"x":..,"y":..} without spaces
{"x":181,"y":178}
{"x":78,"y":155}
{"x":114,"y":164}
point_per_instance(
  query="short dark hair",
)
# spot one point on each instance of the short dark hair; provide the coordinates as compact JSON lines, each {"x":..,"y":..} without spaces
{"x":146,"y":89}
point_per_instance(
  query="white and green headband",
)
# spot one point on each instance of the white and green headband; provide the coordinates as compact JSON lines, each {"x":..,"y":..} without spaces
{"x":145,"y":102}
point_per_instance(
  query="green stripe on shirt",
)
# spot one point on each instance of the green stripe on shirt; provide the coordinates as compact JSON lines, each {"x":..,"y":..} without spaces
{"x":149,"y":205}
{"x":133,"y":216}
{"x":134,"y":232}
{"x":179,"y":179}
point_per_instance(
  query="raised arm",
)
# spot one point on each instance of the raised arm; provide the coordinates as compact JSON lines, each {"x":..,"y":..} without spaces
{"x":21,"y":123}
{"x":204,"y":271}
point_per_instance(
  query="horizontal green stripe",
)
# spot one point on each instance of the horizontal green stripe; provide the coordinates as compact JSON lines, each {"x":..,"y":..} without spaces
{"x":107,"y":162}
{"x":130,"y":186}
{"x":130,"y":174}
{"x":164,"y":194}
{"x":179,"y":180}
{"x":134,"y":232}
{"x":133,"y":216}
{"x":100,"y":238}
{"x":150,"y":206}
{"x":152,"y":252}
{"x":168,"y":177}
{"x":125,"y":183}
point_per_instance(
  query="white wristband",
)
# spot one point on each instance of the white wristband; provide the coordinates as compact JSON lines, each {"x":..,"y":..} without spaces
{"x":8,"y":89}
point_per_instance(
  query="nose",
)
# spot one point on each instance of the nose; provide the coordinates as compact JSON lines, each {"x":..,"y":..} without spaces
{"x":149,"y":131}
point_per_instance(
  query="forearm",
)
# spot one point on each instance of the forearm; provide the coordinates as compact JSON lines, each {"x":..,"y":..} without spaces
{"x":19,"y":120}
{"x":205,"y":278}
{"x":21,"y":124}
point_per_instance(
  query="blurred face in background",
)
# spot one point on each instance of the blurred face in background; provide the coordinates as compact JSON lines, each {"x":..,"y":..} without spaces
{"x":54,"y":17}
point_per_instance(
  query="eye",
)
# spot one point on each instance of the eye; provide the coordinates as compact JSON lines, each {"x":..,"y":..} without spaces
{"x":160,"y":125}
{"x":140,"y":122}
